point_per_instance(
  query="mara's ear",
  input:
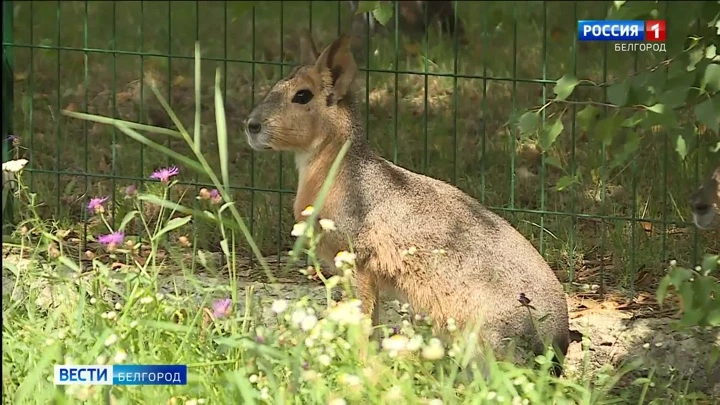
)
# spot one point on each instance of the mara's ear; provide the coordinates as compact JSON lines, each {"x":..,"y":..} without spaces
{"x":308,"y":51}
{"x":337,"y":59}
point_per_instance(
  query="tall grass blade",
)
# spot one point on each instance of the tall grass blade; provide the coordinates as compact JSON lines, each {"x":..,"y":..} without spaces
{"x":129,"y":124}
{"x":198,"y":78}
{"x":221,"y":133}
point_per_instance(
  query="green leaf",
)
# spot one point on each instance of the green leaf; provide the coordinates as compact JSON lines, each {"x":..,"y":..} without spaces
{"x":706,"y":113}
{"x":679,"y":275}
{"x":587,"y":117}
{"x":563,"y":182}
{"x":383,"y":13}
{"x":674,"y":97}
{"x":366,"y":6}
{"x":553,"y":161}
{"x":528,"y":123}
{"x":607,"y":127}
{"x":626,"y":150}
{"x":710,"y":262}
{"x":681,"y":147}
{"x":618,"y":93}
{"x":662,"y":290}
{"x":565,"y":86}
{"x":711,"y":78}
{"x":69,"y":263}
{"x":656,"y":108}
{"x":172,"y":225}
{"x":550,"y":133}
{"x":633,"y":120}
{"x":126,"y":220}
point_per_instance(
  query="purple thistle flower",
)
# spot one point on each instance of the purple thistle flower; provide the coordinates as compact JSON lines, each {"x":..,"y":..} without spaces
{"x":14,"y":140}
{"x":96,"y":205}
{"x":130,"y":191}
{"x":215,"y":196}
{"x":164,"y":174}
{"x":222,"y":308}
{"x":115,"y":238}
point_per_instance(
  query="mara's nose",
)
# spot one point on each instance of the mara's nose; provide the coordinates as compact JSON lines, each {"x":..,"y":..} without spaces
{"x":253,"y":126}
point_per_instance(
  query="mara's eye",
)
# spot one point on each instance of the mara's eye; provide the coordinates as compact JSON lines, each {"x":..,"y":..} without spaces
{"x":302,"y":97}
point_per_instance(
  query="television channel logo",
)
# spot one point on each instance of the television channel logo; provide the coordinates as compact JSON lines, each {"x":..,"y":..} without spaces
{"x":121,"y":374}
{"x":630,"y":35}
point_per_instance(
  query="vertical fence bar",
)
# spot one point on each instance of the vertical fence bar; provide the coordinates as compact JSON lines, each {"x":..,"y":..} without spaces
{"x":86,"y":80}
{"x":425,"y":95}
{"x":541,"y":240}
{"x":455,"y":97}
{"x":280,"y":157}
{"x":573,"y":140}
{"x":483,"y":148}
{"x":634,"y":224}
{"x":113,"y":105}
{"x":603,"y":177}
{"x":513,"y":101}
{"x":8,"y":103}
{"x":141,"y":108}
{"x":396,"y":77}
{"x":57,"y":109}
{"x":31,"y":88}
{"x":252,"y":151}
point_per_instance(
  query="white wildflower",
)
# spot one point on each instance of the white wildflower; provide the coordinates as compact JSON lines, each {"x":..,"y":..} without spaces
{"x":434,"y":350}
{"x":344,"y":258}
{"x":395,"y":343}
{"x":308,"y":322}
{"x":298,"y":229}
{"x":120,"y":356}
{"x":324,"y":360}
{"x":337,"y":401}
{"x":415,"y":343}
{"x":308,"y":211}
{"x":14,"y":166}
{"x":279,"y":306}
{"x":111,"y":340}
{"x":435,"y":402}
{"x":297,"y":316}
{"x":394,"y":394}
{"x":146,"y":300}
{"x":327,"y":224}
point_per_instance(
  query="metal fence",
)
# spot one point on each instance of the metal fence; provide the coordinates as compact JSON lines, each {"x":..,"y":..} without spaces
{"x":434,"y":104}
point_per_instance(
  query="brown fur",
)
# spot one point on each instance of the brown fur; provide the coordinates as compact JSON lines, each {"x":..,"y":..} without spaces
{"x":706,"y":202}
{"x":385,"y":210}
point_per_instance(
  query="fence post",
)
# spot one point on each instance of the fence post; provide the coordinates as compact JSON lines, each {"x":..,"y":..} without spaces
{"x":8,"y":82}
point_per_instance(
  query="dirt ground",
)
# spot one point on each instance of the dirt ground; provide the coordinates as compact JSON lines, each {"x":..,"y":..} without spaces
{"x":614,"y":332}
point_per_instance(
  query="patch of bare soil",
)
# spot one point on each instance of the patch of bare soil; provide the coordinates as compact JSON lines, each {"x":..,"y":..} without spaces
{"x":614,"y":333}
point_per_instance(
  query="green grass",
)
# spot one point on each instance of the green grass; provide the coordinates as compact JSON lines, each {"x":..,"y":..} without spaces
{"x":449,"y":128}
{"x":264,"y":347}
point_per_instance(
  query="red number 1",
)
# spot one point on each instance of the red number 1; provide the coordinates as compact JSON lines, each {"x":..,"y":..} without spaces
{"x":655,"y":31}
